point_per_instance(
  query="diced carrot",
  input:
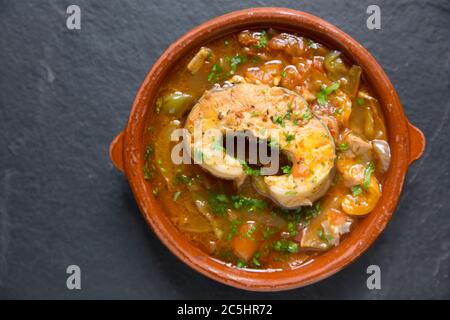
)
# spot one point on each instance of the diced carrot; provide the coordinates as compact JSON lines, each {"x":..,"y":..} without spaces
{"x":247,"y":241}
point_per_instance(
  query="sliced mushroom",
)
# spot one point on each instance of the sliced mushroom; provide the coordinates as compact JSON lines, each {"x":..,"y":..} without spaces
{"x":382,"y":154}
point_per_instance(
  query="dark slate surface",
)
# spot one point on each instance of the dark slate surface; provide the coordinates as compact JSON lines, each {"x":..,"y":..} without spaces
{"x":64,"y":95}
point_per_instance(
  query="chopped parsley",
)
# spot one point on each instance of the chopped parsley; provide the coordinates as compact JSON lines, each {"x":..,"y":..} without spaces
{"x":283,"y":74}
{"x":219,"y":203}
{"x":286,"y":169}
{"x":176,"y":195}
{"x":356,"y":190}
{"x":255,"y":259}
{"x":322,"y":95}
{"x":155,"y":192}
{"x":307,"y":115}
{"x":367,"y":174}
{"x":234,"y":228}
{"x":285,"y":246}
{"x":249,"y":203}
{"x":360,"y":101}
{"x":311,"y":212}
{"x":216,"y":73}
{"x":263,"y":39}
{"x":148,"y":152}
{"x":249,"y":233}
{"x":343,"y":146}
{"x":268,"y":232}
{"x":182,"y":178}
{"x":278,"y":120}
{"x":249,"y":170}
{"x":289,"y":137}
{"x":324,"y":237}
{"x":235,"y":62}
{"x":240,"y":264}
{"x":148,"y":175}
{"x":292,"y":229}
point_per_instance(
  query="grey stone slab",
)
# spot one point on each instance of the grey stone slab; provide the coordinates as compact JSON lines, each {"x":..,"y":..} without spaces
{"x":64,"y":95}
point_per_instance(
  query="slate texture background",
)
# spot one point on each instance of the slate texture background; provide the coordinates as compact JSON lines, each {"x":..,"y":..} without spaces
{"x":64,"y":95}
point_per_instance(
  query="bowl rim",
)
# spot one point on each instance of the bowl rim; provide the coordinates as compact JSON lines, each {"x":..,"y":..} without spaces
{"x":359,"y":240}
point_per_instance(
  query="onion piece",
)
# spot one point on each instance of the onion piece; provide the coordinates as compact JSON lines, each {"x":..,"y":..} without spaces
{"x":354,"y":77}
{"x":335,"y":66}
{"x":203,"y":208}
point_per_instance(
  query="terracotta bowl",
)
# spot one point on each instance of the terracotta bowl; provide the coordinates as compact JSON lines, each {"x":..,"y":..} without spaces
{"x":406,"y":141}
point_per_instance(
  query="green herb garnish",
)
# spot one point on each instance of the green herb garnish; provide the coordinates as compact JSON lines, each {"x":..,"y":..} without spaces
{"x":215,"y":73}
{"x":310,"y":212}
{"x":285,"y":246}
{"x":148,"y":152}
{"x":343,"y":146}
{"x":234,"y":228}
{"x":263,"y":39}
{"x":249,"y":170}
{"x":289,"y":137}
{"x":249,"y":203}
{"x":219,"y":203}
{"x":360,"y":101}
{"x":235,"y":62}
{"x":176,"y":195}
{"x":268,"y":232}
{"x":148,"y":175}
{"x":356,"y":190}
{"x":367,"y":174}
{"x":324,"y":237}
{"x":286,"y":169}
{"x":322,"y":95}
{"x":240,"y":264}
{"x":283,"y":74}
{"x":181,"y":178}
{"x":307,"y":115}
{"x":278,"y":120}
{"x":292,"y":229}
{"x":155,"y":192}
{"x":249,"y":233}
{"x":255,"y":259}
